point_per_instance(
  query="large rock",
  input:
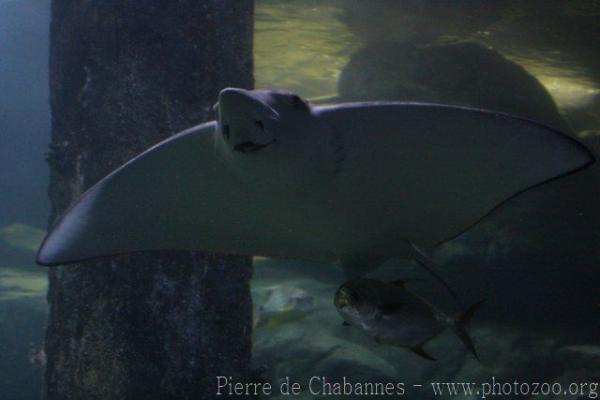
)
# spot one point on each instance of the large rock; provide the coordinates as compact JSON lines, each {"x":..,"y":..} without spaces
{"x":417,"y":20}
{"x":462,"y":74}
{"x":319,"y":346}
{"x":509,"y":257}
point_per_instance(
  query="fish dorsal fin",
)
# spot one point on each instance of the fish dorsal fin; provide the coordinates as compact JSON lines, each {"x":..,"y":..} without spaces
{"x":399,"y":282}
{"x":418,"y":349}
{"x":423,"y":260}
{"x":391,"y":308}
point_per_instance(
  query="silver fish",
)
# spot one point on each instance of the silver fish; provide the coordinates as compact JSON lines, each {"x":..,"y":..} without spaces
{"x":392,"y":314}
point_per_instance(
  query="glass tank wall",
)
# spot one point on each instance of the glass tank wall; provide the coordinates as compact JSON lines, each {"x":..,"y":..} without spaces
{"x":534,"y":260}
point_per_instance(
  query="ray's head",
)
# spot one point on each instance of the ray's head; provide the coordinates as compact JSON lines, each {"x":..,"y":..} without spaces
{"x":268,"y":135}
{"x":258,"y":121}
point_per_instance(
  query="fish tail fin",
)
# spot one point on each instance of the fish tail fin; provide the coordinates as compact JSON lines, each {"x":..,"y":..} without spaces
{"x":460,"y":327}
{"x":418,"y":349}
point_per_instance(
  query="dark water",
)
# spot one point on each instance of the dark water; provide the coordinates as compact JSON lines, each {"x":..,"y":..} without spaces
{"x":535,"y":260}
{"x":24,"y":134}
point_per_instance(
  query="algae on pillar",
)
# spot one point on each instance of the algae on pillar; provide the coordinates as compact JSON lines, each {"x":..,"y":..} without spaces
{"x":123,"y":76}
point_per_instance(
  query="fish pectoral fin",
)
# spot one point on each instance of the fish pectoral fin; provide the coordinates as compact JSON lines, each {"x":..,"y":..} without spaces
{"x":418,"y":349}
{"x":401,"y":283}
{"x":346,"y":323}
{"x":391,"y":308}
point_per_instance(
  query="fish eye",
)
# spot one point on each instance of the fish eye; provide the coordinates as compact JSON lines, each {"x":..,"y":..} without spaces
{"x":343,"y":298}
{"x":260,"y":124}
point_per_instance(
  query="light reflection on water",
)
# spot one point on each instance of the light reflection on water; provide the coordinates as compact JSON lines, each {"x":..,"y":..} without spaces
{"x":304,"y":48}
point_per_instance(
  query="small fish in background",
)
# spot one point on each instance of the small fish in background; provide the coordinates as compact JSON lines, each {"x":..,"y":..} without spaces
{"x":392,"y":314}
{"x":280,"y":304}
{"x":37,"y":357}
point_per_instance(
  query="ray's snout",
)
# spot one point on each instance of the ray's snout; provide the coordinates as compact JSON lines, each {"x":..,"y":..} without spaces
{"x":235,"y":103}
{"x":231,"y":98}
{"x":245,"y":120}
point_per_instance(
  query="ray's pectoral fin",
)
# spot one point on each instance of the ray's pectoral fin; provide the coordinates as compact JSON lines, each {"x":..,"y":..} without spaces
{"x":135,"y":207}
{"x":178,"y":195}
{"x":450,"y":166}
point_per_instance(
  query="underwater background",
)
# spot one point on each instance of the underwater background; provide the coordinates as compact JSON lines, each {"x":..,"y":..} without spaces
{"x":535,"y":260}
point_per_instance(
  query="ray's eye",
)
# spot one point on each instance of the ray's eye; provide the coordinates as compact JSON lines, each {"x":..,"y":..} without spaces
{"x":296,"y":101}
{"x":260,"y":125}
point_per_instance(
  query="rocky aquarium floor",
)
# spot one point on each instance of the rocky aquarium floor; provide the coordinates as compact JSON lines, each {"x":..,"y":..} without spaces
{"x":299,"y":335}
